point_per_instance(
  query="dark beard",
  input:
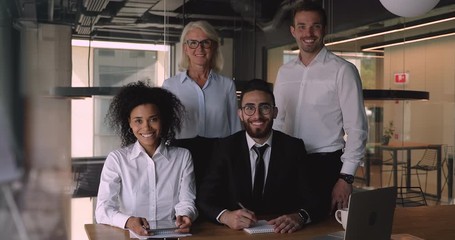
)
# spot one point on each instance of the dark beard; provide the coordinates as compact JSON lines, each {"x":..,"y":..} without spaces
{"x":258,"y":133}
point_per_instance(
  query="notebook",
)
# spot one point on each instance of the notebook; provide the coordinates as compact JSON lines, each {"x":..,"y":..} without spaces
{"x":260,"y":226}
{"x":161,"y":229}
{"x":160,"y":235}
{"x":370,"y":216}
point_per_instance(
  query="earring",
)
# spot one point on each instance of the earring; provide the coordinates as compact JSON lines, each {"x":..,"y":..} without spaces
{"x":130,"y":130}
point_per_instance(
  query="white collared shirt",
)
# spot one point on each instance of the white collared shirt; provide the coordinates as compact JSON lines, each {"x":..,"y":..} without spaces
{"x":254,"y":155}
{"x":211,"y":111}
{"x":157,"y":188}
{"x":321,"y":102}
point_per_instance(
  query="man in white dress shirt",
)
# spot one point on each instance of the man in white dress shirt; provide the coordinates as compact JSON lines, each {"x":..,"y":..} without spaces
{"x":320,"y":99}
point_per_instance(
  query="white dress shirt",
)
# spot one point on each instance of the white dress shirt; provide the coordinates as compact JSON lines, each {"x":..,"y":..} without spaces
{"x":157,"y":188}
{"x":211,"y":111}
{"x":321,"y":102}
{"x":254,"y":156}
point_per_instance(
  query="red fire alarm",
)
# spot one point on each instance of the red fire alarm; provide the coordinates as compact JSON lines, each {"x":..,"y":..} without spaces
{"x":401,"y":78}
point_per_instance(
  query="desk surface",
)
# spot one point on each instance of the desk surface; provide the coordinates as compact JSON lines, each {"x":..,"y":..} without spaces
{"x":435,"y":222}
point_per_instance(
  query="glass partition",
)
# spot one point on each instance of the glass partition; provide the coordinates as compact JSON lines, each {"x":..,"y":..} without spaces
{"x":423,"y":65}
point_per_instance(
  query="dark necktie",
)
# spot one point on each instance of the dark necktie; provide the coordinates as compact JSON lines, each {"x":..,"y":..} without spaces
{"x":259,"y":173}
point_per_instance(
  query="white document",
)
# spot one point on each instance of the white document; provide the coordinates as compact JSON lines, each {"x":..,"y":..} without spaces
{"x":160,"y":234}
{"x":262,"y":226}
{"x":161,"y":229}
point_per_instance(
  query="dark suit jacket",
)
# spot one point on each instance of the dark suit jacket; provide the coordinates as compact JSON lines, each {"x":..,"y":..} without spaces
{"x":229,"y":181}
{"x":201,"y":151}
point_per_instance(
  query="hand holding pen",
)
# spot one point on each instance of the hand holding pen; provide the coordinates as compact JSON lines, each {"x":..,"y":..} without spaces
{"x":238,"y":219}
{"x":138,"y":225}
{"x":251,"y":215}
{"x":183,"y":224}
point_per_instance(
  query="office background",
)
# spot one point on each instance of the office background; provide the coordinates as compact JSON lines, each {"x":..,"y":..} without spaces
{"x":50,"y":128}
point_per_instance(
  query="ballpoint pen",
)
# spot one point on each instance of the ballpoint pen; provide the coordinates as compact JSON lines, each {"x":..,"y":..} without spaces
{"x":145,"y":225}
{"x":253,"y":218}
{"x":241,"y":205}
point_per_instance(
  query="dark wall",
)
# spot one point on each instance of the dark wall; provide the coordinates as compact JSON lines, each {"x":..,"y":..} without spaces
{"x":251,"y":46}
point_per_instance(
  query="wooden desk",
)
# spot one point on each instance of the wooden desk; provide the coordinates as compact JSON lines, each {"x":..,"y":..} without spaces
{"x":430,"y":223}
{"x":394,"y":147}
{"x":433,"y":222}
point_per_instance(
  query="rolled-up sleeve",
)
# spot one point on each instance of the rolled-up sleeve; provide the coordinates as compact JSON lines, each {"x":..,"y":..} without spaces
{"x":187,"y":192}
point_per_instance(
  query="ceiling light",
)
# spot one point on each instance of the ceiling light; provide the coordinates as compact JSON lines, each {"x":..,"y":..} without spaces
{"x":396,"y":29}
{"x":409,"y":8}
{"x":413,"y":39}
{"x":119,"y":45}
{"x":95,"y":5}
{"x":83,"y":92}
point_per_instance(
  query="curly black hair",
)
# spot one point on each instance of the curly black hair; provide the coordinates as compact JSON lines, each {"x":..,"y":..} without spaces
{"x":137,"y":93}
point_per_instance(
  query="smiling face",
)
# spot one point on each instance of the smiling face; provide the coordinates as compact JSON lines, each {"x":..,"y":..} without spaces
{"x":258,"y":125}
{"x":145,"y":123}
{"x":199,"y":56}
{"x":308,"y":31}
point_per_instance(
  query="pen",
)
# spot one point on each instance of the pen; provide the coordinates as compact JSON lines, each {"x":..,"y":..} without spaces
{"x":145,"y":227}
{"x":252,"y":217}
{"x":145,"y":224}
{"x":241,"y":205}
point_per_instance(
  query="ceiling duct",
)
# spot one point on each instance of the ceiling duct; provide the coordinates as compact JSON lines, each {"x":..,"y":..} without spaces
{"x":250,"y":10}
{"x":281,"y":14}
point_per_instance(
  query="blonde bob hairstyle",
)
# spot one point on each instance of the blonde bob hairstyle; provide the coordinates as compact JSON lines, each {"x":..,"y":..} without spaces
{"x":217,"y":61}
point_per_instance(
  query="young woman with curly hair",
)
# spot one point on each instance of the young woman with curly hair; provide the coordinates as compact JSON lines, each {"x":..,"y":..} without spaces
{"x":146,"y":179}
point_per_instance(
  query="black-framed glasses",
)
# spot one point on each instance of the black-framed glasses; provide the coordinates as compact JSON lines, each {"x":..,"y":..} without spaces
{"x":264,"y":109}
{"x":193,"y":44}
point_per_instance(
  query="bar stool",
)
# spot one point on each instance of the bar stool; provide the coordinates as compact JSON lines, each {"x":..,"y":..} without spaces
{"x":389,"y":163}
{"x":426,"y":164}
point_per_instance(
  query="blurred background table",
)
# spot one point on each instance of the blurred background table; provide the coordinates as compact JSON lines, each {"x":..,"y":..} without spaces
{"x":394,"y":147}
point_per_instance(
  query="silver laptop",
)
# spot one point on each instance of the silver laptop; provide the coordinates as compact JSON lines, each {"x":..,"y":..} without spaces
{"x":370,"y":216}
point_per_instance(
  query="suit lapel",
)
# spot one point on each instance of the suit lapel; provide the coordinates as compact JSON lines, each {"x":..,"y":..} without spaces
{"x":274,"y":164}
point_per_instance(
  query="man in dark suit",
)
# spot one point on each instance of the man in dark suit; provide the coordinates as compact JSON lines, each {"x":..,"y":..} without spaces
{"x":243,"y":181}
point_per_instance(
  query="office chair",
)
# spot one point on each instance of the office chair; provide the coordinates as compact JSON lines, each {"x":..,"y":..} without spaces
{"x":86,"y":176}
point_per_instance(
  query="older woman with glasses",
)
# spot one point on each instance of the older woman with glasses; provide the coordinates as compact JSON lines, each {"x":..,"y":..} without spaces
{"x":209,"y":98}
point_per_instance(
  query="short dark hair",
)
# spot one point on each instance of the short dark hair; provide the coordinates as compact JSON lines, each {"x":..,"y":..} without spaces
{"x":134,"y":94}
{"x":311,"y":7}
{"x":259,"y":85}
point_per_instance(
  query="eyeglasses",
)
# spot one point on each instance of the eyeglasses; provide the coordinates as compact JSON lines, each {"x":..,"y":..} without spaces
{"x":193,"y":44}
{"x":264,"y":109}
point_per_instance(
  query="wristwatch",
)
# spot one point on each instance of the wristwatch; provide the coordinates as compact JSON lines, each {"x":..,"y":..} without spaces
{"x":304,"y":216}
{"x":347,"y":178}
